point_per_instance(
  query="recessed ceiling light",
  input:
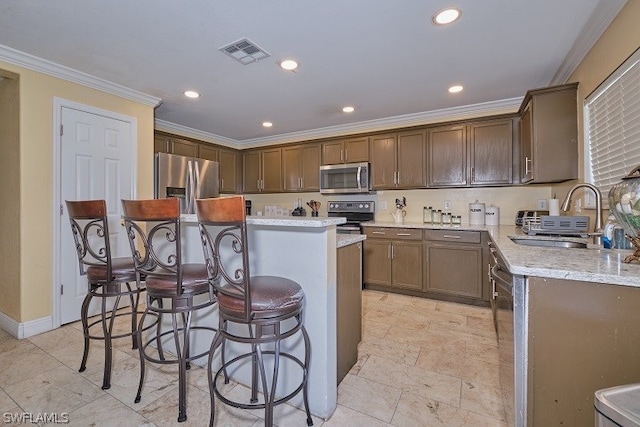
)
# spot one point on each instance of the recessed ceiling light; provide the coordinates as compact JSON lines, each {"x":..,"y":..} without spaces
{"x":348,"y":109}
{"x":446,"y":16}
{"x":191,"y":94}
{"x":289,"y":64}
{"x":267,"y":124}
{"x":455,"y":89}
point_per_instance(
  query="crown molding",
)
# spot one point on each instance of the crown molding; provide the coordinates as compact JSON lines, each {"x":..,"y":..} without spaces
{"x":34,"y":63}
{"x":505,"y":106}
{"x":600,"y":19}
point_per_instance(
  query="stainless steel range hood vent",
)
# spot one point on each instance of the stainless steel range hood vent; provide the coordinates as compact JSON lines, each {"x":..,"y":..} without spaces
{"x":245,"y":51}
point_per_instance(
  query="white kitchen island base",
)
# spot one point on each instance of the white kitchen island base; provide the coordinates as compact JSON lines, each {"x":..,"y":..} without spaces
{"x":303,"y":250}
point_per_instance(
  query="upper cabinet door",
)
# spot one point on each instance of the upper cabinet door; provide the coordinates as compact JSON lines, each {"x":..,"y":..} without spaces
{"x":183,"y":147}
{"x":383,"y":161}
{"x":333,"y":152}
{"x":448,"y":156}
{"x":252,"y":171}
{"x":411,"y":160}
{"x":230,"y":171}
{"x":356,"y":150}
{"x":208,"y":152}
{"x":491,"y":152}
{"x":272,"y":170}
{"x":310,"y":167}
{"x":291,"y":168}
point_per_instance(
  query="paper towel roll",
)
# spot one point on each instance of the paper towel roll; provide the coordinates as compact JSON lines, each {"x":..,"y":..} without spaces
{"x":554,"y":207}
{"x":492,"y":215}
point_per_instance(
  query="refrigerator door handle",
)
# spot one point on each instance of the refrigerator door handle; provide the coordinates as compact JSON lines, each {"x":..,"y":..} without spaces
{"x":190,"y":187}
{"x":196,"y":193}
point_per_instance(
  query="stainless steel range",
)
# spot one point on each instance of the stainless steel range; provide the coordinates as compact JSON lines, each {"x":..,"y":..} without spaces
{"x":356,"y":212}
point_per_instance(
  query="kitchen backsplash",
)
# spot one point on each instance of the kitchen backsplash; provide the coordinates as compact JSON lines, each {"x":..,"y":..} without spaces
{"x":508,"y":199}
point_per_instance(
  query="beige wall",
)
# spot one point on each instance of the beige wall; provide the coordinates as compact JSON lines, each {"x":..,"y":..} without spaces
{"x":618,"y":42}
{"x":10,"y":211}
{"x":34,"y":282}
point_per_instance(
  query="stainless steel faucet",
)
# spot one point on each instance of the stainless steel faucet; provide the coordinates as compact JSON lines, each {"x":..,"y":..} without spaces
{"x":597,"y":235}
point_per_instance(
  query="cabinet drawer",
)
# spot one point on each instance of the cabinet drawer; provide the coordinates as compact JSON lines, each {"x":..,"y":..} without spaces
{"x":452,"y":236}
{"x":390,"y":233}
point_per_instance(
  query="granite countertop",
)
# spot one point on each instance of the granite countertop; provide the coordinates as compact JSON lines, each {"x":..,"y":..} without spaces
{"x":281,"y":221}
{"x":348,"y":239}
{"x":591,"y":265}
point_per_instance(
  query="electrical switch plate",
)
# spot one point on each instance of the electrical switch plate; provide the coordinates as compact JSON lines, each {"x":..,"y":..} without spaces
{"x":383,"y":205}
{"x":542,"y":204}
{"x":447,"y":205}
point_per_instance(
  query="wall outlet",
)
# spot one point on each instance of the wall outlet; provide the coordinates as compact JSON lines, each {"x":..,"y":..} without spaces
{"x":542,"y":204}
{"x":383,"y":204}
{"x":447,"y":205}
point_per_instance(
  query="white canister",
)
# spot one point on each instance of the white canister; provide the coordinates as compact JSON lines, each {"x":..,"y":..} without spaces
{"x":476,"y":213}
{"x":492,"y":215}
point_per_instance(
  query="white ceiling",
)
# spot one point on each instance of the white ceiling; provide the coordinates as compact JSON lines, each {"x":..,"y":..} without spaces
{"x":384,"y":57}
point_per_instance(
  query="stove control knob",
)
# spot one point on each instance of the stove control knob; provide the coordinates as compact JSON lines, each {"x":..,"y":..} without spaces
{"x":366,"y":206}
{"x":360,"y":205}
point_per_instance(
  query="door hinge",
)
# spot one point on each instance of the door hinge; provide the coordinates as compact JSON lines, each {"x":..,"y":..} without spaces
{"x":61,"y":130}
{"x":61,"y":210}
{"x":61,"y":289}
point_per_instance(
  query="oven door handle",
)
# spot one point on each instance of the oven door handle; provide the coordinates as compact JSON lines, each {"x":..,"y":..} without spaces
{"x":349,"y":228}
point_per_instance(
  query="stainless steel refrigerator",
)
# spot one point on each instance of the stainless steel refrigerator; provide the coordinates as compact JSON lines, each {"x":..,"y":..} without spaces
{"x":186,"y":178}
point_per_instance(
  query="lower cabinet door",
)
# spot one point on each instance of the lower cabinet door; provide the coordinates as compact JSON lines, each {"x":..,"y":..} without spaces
{"x":406,"y":265}
{"x":454,"y":269}
{"x":377,"y":262}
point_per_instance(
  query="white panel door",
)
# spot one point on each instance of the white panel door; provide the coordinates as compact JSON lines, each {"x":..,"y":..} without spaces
{"x":96,"y":153}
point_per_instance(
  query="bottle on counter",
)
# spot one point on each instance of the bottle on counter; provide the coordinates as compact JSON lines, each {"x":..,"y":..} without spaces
{"x":427,"y":215}
{"x":446,"y":218}
{"x":607,"y":232}
{"x":456,"y":220}
{"x":437,"y":217}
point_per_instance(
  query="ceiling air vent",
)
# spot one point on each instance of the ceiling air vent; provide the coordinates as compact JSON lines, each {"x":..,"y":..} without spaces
{"x":245,"y":51}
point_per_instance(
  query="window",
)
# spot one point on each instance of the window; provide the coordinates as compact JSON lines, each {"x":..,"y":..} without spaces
{"x":612,"y":126}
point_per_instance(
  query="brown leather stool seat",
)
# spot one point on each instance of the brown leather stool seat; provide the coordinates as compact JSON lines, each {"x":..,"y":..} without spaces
{"x":269,"y":308}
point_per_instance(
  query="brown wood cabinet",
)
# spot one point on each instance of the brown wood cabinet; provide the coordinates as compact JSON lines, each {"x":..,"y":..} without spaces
{"x":209,"y":152}
{"x":491,"y":152}
{"x":165,"y":143}
{"x":549,"y":135}
{"x":398,"y":160}
{"x":350,"y":150}
{"x":349,"y":306}
{"x":393,"y":257}
{"x":473,"y":154}
{"x":453,"y":263}
{"x":262,"y":170}
{"x":300,"y":167}
{"x":448,"y":156}
{"x":230,"y":170}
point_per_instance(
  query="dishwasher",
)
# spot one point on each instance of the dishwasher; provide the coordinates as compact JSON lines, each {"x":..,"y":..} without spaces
{"x":502,"y":306}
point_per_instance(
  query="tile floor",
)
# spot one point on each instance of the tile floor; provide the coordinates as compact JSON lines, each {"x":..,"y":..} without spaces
{"x":422,"y":363}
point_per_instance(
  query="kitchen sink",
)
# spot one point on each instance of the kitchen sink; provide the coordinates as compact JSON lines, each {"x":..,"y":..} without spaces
{"x":548,"y":242}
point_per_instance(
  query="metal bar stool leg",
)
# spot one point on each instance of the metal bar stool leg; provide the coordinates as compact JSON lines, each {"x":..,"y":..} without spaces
{"x":85,"y":330}
{"x":141,"y":349}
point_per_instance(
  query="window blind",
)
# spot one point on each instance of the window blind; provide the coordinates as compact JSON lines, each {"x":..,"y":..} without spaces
{"x":612,"y":118}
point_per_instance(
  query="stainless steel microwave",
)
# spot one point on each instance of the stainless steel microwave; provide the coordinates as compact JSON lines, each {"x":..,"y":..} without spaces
{"x":347,"y":178}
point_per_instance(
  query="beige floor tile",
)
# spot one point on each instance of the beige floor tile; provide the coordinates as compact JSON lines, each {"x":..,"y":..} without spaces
{"x":362,"y":359}
{"x":482,"y":399}
{"x":439,"y":340}
{"x":483,"y":323}
{"x":412,"y":379}
{"x":6,"y":403}
{"x":347,"y":417}
{"x":482,"y":351}
{"x":425,"y":304}
{"x":467,"y":310}
{"x":401,"y":353}
{"x":459,"y":366}
{"x":414,"y":410}
{"x":57,"y":339}
{"x":55,"y":390}
{"x":23,"y":360}
{"x":372,"y":328}
{"x":370,"y":397}
{"x":106,"y":411}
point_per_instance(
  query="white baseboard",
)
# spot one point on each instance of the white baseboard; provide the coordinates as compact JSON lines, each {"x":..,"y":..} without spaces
{"x":26,"y":329}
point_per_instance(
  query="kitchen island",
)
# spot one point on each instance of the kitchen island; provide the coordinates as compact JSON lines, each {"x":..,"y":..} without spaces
{"x":302,"y":249}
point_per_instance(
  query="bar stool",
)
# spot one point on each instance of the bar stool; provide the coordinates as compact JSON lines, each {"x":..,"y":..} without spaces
{"x":105,"y":279}
{"x":153,"y":227}
{"x":269,"y":307}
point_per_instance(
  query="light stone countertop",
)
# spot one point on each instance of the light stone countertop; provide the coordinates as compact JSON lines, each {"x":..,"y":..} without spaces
{"x":348,"y":239}
{"x":282,"y":221}
{"x":590,"y":265}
